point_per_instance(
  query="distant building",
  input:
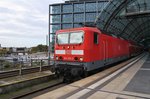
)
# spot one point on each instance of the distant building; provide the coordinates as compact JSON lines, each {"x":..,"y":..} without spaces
{"x":19,"y":51}
{"x":15,"y":50}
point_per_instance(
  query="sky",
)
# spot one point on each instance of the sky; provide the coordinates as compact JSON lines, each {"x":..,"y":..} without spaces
{"x":24,"y":23}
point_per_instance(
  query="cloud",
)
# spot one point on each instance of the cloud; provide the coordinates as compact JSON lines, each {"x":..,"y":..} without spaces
{"x":24,"y":19}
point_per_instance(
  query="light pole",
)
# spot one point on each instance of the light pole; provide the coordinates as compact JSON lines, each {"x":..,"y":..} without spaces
{"x":49,"y":39}
{"x":47,"y":44}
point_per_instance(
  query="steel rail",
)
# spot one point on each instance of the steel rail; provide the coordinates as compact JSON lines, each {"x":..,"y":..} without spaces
{"x":16,"y":72}
{"x":63,"y":84}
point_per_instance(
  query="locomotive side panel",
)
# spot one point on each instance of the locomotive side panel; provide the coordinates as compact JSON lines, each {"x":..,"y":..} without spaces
{"x":115,"y":49}
{"x":96,"y":50}
{"x":94,"y":56}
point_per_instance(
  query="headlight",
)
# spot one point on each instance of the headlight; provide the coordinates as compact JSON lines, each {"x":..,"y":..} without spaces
{"x":56,"y":57}
{"x":81,"y":59}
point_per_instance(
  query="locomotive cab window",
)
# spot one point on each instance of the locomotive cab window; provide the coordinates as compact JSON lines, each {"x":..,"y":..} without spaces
{"x":76,"y":37}
{"x":95,"y":38}
{"x":62,"y":38}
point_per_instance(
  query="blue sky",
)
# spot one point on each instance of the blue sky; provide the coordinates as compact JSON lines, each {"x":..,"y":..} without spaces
{"x":24,"y":23}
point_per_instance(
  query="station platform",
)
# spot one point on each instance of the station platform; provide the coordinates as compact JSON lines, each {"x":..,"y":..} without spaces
{"x":22,"y":78}
{"x":19,"y":85}
{"x":132,"y":82}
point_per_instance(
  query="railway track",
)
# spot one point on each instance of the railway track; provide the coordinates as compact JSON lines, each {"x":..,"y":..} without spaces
{"x":23,"y":71}
{"x":61,"y":84}
{"x":54,"y":84}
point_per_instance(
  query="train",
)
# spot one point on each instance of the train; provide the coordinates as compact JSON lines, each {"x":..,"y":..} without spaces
{"x":81,"y":50}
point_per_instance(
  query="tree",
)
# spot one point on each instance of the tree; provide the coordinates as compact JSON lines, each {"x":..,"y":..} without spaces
{"x":39,"y":48}
{"x":3,"y":52}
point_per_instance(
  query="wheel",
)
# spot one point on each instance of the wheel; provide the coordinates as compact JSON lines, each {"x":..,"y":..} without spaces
{"x":85,"y":74}
{"x":57,"y":73}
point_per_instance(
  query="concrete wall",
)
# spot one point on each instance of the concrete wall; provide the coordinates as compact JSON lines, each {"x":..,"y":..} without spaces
{"x":19,"y":85}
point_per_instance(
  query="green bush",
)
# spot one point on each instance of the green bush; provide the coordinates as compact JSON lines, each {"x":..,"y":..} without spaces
{"x":7,"y":65}
{"x":39,"y":48}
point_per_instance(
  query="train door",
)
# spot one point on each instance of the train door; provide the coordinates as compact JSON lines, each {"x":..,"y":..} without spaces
{"x":105,"y":51}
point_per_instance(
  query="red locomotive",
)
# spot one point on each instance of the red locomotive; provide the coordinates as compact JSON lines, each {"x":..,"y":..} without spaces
{"x":80,"y":50}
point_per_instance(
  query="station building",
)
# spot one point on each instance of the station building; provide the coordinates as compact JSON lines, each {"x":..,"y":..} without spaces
{"x":71,"y":14}
{"x":127,"y":19}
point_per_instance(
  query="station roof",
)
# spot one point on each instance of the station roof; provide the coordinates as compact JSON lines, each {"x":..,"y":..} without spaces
{"x":69,"y":1}
{"x":128,"y":19}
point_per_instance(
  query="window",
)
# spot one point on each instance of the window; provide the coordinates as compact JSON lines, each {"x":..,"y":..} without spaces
{"x":56,"y":19}
{"x":67,"y":26}
{"x":67,"y":18}
{"x":52,"y":37}
{"x":147,"y":4}
{"x":70,"y":38}
{"x":95,"y":38}
{"x":62,"y":38}
{"x":90,"y":7}
{"x":77,"y":25}
{"x":55,"y":9}
{"x":78,"y":17}
{"x":90,"y":17}
{"x":54,"y":28}
{"x":105,"y":4}
{"x":134,"y":7}
{"x":79,"y":7}
{"x":76,"y":37}
{"x":101,"y":5}
{"x":67,"y":8}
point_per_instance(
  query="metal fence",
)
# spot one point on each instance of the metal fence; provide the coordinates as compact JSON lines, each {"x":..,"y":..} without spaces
{"x":12,"y":64}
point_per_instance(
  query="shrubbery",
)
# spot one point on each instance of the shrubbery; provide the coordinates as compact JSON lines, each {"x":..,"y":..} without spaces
{"x":39,"y":48}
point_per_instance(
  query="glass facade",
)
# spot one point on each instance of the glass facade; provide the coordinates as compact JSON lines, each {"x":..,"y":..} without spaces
{"x":90,"y":17}
{"x":56,"y":19}
{"x":67,"y":8}
{"x":90,"y":7}
{"x":79,"y":7}
{"x":67,"y":18}
{"x":128,"y":19}
{"x":70,"y":15}
{"x":78,"y":17}
{"x":66,"y":26}
{"x":55,"y":9}
{"x":54,"y":28}
{"x":138,"y":6}
{"x":76,"y":25}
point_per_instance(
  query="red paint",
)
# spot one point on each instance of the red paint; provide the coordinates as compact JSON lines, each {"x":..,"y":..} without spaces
{"x":107,"y":47}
